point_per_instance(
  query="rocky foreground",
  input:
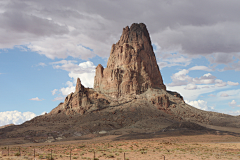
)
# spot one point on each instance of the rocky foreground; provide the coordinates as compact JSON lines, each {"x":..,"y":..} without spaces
{"x":129,"y":97}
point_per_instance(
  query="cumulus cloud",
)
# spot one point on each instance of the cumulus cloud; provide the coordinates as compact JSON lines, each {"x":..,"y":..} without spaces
{"x":232,"y":83}
{"x":233,"y":103}
{"x":200,"y":104}
{"x":71,"y":66}
{"x":15,"y":117}
{"x":70,"y":88}
{"x":220,"y":83}
{"x":36,"y":99}
{"x":224,"y":95}
{"x":85,"y":71}
{"x":54,"y":91}
{"x":182,"y":78}
{"x":205,"y":79}
{"x":42,"y":64}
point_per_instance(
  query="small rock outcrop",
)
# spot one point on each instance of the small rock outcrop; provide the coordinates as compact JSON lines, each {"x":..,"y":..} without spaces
{"x":132,"y":67}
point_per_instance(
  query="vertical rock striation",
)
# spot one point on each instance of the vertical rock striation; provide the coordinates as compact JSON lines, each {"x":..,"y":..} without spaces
{"x":132,"y":67}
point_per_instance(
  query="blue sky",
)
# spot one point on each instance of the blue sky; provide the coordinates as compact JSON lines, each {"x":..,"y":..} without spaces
{"x":46,"y":46}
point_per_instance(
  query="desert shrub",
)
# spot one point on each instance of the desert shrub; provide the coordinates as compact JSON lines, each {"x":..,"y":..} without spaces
{"x":81,"y":154}
{"x":41,"y":156}
{"x":17,"y":154}
{"x":95,"y":159}
{"x":110,"y":156}
{"x":75,"y":157}
{"x":82,"y":146}
{"x":143,"y":152}
{"x":48,"y":157}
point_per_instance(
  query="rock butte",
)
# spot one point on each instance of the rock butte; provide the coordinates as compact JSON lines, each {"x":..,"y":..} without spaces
{"x":131,"y":70}
{"x":132,"y":67}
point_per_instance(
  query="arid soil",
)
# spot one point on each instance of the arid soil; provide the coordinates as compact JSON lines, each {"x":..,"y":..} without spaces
{"x":195,"y":147}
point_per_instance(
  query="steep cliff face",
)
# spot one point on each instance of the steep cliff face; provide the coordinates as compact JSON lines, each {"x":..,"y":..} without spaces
{"x":132,"y":67}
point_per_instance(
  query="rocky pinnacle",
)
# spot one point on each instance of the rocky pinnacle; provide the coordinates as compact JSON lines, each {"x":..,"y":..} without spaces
{"x":132,"y":67}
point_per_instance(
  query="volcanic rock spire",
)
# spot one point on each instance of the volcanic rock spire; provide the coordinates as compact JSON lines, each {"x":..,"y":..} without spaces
{"x":132,"y":67}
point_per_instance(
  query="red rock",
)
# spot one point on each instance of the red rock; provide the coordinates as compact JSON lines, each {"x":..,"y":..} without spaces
{"x":132,"y":67}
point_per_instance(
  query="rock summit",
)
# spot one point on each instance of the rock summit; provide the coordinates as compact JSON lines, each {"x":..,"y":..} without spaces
{"x":132,"y":67}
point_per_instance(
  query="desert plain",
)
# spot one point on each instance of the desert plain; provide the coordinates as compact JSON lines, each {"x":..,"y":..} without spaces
{"x":132,"y":147}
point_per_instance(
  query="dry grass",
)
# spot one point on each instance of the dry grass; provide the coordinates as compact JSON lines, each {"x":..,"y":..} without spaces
{"x":182,"y":147}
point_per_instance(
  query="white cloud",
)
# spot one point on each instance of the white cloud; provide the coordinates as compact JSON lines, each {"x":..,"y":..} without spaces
{"x":232,"y":83}
{"x":58,"y":99}
{"x":69,"y":89}
{"x":54,"y":91}
{"x":233,"y":103}
{"x":234,"y":113}
{"x":42,"y":64}
{"x":203,"y":68}
{"x":170,"y":60}
{"x":85,"y":71}
{"x":212,"y":95}
{"x":200,"y":104}
{"x":71,"y":66}
{"x":233,"y":94}
{"x":205,"y":79}
{"x":36,"y":99}
{"x":224,"y":95}
{"x":191,"y":86}
{"x":180,"y":78}
{"x":15,"y":117}
{"x":220,"y":83}
{"x":193,"y":94}
{"x":61,"y":48}
{"x":87,"y":79}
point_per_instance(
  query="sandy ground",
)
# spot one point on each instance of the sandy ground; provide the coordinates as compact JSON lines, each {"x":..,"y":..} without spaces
{"x":197,"y":147}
